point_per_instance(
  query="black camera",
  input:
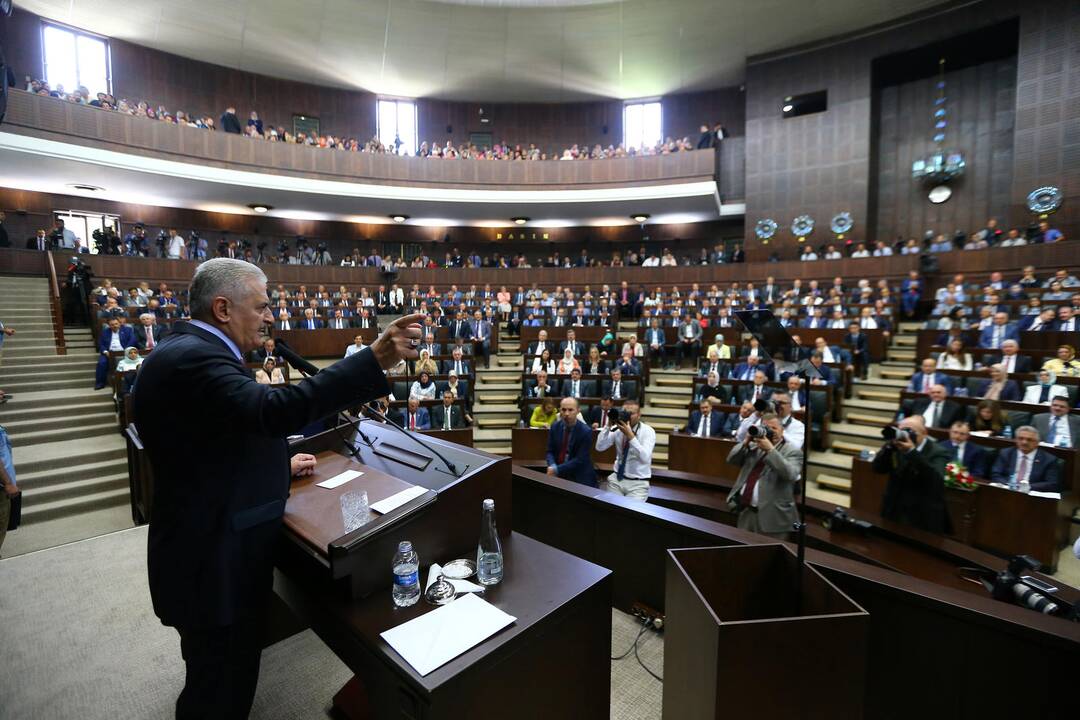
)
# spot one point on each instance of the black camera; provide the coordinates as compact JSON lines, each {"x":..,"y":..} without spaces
{"x":162,"y":239}
{"x":761,"y":431}
{"x":840,"y":520}
{"x":617,"y":415}
{"x":891,"y":432}
{"x":1009,"y":585}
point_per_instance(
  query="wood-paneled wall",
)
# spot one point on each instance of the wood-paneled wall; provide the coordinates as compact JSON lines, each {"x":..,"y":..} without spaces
{"x":980,"y":107}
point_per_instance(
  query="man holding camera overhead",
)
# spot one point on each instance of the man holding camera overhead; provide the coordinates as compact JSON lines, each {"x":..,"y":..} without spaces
{"x":764,"y":493}
{"x":915,"y":493}
{"x":634,"y":442}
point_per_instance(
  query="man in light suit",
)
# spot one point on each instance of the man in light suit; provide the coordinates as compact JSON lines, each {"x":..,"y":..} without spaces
{"x":960,"y":448}
{"x":1027,"y":462}
{"x":655,"y":341}
{"x":114,"y":338}
{"x":704,"y":422}
{"x":764,"y":493}
{"x":688,"y":344}
{"x":1058,"y":427}
{"x":480,"y":334}
{"x":998,"y":332}
{"x":569,"y":451}
{"x":339,"y":321}
{"x":448,"y":415}
{"x":415,"y":417}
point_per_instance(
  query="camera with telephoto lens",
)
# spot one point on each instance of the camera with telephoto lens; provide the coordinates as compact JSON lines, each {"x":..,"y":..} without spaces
{"x":162,"y":240}
{"x":891,"y":432}
{"x":840,"y":520}
{"x":617,"y":415}
{"x":1010,"y":586}
{"x":761,"y":405}
{"x":283,"y":247}
{"x":760,"y":431}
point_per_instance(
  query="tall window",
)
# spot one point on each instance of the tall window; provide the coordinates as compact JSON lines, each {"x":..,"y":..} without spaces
{"x":74,"y":59}
{"x":83,"y":224}
{"x":397,"y":125}
{"x":642,"y":125}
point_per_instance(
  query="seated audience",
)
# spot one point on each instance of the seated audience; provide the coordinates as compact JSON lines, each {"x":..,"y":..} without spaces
{"x":999,"y":386}
{"x":594,"y":364}
{"x":1058,"y":427}
{"x":968,"y":454}
{"x":1011,"y":359}
{"x":936,"y":410}
{"x":423,"y":388}
{"x":426,"y":365}
{"x":447,"y":416}
{"x":1045,"y":390}
{"x":955,"y":357}
{"x":704,"y":422}
{"x":357,"y":346}
{"x":1065,"y":363}
{"x":269,"y":373}
{"x":568,"y":363}
{"x":415,"y":417}
{"x":990,"y":419}
{"x":543,"y":362}
{"x":1026,"y":464}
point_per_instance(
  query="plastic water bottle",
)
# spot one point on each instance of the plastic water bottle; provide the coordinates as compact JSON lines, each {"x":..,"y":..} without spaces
{"x":1025,"y":487}
{"x":1007,"y":432}
{"x":406,"y":575}
{"x":1013,"y":485}
{"x":489,"y":557}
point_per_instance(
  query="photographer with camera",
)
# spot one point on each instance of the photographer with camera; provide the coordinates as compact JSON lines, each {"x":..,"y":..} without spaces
{"x":915,"y":464}
{"x":780,"y":404}
{"x":634,"y":442}
{"x":764,"y":493}
{"x":135,"y":242}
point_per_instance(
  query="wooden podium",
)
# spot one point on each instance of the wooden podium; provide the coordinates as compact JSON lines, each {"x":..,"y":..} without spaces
{"x":737,"y":638}
{"x":334,"y":573}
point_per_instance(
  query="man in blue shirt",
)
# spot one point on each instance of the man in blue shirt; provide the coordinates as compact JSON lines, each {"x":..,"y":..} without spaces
{"x":7,"y":480}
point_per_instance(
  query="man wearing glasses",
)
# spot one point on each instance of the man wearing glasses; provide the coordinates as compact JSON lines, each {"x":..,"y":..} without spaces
{"x":794,"y":429}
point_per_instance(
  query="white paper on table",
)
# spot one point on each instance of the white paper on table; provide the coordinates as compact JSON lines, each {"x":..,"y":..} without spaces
{"x":437,"y":637}
{"x":340,"y":479}
{"x":460,"y":586}
{"x":1050,"y":495}
{"x":397,"y":499}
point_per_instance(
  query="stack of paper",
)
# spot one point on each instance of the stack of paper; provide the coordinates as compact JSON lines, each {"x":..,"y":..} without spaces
{"x":437,"y":637}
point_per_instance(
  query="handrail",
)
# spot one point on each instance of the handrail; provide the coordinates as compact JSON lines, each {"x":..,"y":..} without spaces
{"x":55,"y":305}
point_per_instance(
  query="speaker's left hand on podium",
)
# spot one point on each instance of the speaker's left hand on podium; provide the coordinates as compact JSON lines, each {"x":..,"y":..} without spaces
{"x":398,"y":341}
{"x":302,"y":464}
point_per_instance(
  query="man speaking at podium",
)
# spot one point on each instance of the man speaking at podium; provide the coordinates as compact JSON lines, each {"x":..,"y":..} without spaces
{"x":221,"y":466}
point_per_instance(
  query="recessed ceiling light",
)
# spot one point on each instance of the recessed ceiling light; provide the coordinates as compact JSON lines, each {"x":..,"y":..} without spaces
{"x":85,"y":188}
{"x":520,"y":220}
{"x":788,"y":108}
{"x":399,"y":218}
{"x":640,"y":218}
{"x":260,"y":208}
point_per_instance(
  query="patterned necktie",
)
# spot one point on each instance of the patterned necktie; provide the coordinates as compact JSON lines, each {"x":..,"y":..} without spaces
{"x":1053,"y":429}
{"x":1022,"y":474}
{"x":412,"y":421}
{"x":149,"y":337}
{"x":620,"y":473}
{"x":751,"y":481}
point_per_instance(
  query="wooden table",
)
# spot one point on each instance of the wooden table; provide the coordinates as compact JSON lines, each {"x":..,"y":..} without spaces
{"x":551,"y":663}
{"x":530,"y":444}
{"x":995,"y":519}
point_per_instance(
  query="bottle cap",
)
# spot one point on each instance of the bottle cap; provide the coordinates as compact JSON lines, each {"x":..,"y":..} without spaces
{"x":404,"y":546}
{"x":489,"y":504}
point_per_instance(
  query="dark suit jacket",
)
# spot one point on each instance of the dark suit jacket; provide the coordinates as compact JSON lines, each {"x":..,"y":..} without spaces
{"x":423,"y":418}
{"x":723,"y":370}
{"x":950,"y":412}
{"x":160,"y":332}
{"x":915,"y":493}
{"x":627,"y":389}
{"x":302,"y":324}
{"x":219,"y":496}
{"x":1022,"y":364}
{"x":745,"y":392}
{"x":578,"y":463}
{"x":438,"y":417}
{"x":1011,"y":391}
{"x":975,"y":458}
{"x":586,"y":388}
{"x":448,"y":365}
{"x":860,"y":345}
{"x":127,"y":338}
{"x":716,"y":423}
{"x":1043,"y":475}
{"x":940,"y":378}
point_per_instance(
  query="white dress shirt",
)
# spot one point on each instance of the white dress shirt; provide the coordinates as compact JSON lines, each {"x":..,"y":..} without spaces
{"x":639,"y":459}
{"x":794,"y":430}
{"x":353,"y":349}
{"x":932,"y":413}
{"x":1058,"y":433}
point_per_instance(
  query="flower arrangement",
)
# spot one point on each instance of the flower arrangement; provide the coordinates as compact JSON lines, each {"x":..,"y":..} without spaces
{"x":957,"y":476}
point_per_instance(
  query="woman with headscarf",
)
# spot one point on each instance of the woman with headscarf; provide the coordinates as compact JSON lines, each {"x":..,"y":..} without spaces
{"x":270,"y":373}
{"x":126,"y":367}
{"x":1045,"y":390}
{"x":423,"y":388}
{"x":426,"y":365}
{"x":1065,"y":363}
{"x":999,"y":386}
{"x":711,"y":389}
{"x":543,"y":362}
{"x":567,"y":363}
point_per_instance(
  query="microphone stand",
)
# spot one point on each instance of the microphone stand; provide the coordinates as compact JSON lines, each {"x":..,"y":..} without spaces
{"x":309,"y":370}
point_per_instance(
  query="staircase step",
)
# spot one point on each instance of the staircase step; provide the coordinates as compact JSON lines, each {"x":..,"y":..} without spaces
{"x":57,"y":435}
{"x":665,"y":412}
{"x":58,"y":456}
{"x":880,"y":394}
{"x":70,"y":425}
{"x":45,"y":398}
{"x":849,"y":448}
{"x":497,"y":434}
{"x":896,"y":374}
{"x":834,"y":482}
{"x":675,"y":382}
{"x":862,"y":418}
{"x":880,"y":405}
{"x":73,"y":488}
{"x":668,"y":402}
{"x":906,"y":340}
{"x":503,"y":397}
{"x":31,"y":385}
{"x":11,"y":413}
{"x":76,"y":505}
{"x":485,"y":387}
{"x":62,"y":372}
{"x":70,"y":471}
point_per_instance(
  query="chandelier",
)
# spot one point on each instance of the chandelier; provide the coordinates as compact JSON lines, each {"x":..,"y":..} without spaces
{"x":941,"y":164}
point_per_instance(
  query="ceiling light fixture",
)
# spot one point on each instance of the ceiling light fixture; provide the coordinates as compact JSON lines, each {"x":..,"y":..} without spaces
{"x":788,"y":108}
{"x":640,"y":218}
{"x":399,"y":218}
{"x":260,"y":208}
{"x":520,"y":220}
{"x":85,"y":188}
